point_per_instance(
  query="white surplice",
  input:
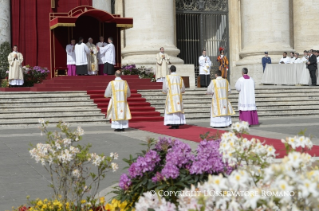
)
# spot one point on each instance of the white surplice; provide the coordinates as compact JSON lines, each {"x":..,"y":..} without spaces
{"x":81,"y":51}
{"x":317,"y":59}
{"x":99,"y":55}
{"x":246,"y":89}
{"x":173,"y":86}
{"x":70,"y":54}
{"x":204,"y":66}
{"x":118,"y":110}
{"x":108,"y":54}
{"x":285,"y":60}
{"x":297,"y":61}
{"x":304,"y":59}
{"x":162,"y":61}
{"x":221,"y":109}
{"x":15,"y":69}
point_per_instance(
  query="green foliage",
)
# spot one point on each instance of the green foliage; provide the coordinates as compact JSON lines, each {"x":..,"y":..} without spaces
{"x":5,"y":50}
{"x":4,"y":84}
{"x":206,"y":136}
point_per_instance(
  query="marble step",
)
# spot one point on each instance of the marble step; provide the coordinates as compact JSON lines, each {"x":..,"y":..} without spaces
{"x":27,"y":95}
{"x":51,"y":114}
{"x":45,"y":104}
{"x":48,"y":109}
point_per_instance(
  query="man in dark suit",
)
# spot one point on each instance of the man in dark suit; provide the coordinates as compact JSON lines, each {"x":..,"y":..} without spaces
{"x":312,"y":66}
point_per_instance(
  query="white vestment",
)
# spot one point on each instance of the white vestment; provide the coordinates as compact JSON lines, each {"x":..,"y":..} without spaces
{"x":70,"y":54}
{"x":204,"y":66}
{"x":162,"y":61}
{"x":246,"y":99}
{"x":304,"y":59}
{"x":92,"y":59}
{"x":297,"y":61}
{"x":99,"y":55}
{"x":15,"y":69}
{"x":81,"y":51}
{"x":292,"y":60}
{"x":221,"y":109}
{"x":118,"y":110}
{"x":109,"y":54}
{"x":173,"y":86}
{"x":285,"y":60}
{"x":317,"y":59}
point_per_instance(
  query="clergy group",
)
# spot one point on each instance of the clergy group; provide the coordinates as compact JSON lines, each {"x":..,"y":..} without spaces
{"x":90,"y":59}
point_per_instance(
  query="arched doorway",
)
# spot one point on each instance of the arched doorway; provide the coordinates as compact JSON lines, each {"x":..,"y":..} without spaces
{"x":201,"y":24}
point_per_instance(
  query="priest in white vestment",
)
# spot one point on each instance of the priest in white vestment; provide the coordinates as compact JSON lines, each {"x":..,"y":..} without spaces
{"x":285,"y":59}
{"x":100,"y":56}
{"x":297,"y":59}
{"x":304,"y":59}
{"x":108,"y":57}
{"x":221,"y":109}
{"x":92,"y":58}
{"x":173,"y":86}
{"x":15,"y":60}
{"x":70,"y":58}
{"x":204,"y":69}
{"x":245,"y":85}
{"x":118,"y":110}
{"x":81,"y":60}
{"x":162,"y":62}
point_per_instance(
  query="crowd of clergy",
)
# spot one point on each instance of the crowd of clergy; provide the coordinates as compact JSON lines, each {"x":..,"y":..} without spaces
{"x":89,"y":59}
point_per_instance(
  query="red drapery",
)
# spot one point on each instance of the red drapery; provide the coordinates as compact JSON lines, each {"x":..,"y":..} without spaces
{"x":30,"y":27}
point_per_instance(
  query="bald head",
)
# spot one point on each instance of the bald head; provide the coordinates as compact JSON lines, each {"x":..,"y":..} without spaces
{"x":118,"y":73}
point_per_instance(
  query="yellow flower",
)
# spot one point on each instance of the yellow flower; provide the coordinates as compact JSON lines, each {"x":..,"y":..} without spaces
{"x":39,"y":203}
{"x":109,"y":207}
{"x":102,"y":200}
{"x":45,"y":201}
{"x":83,"y":201}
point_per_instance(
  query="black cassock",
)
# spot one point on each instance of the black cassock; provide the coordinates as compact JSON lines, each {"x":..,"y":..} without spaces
{"x":204,"y":80}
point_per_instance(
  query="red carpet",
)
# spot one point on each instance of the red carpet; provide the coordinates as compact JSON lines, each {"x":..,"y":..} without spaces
{"x":189,"y":132}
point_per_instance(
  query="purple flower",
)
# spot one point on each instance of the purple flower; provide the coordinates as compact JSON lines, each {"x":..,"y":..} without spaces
{"x":157,"y":178}
{"x":208,"y":159}
{"x":144,"y":164}
{"x":125,"y":182}
{"x":180,"y":154}
{"x":170,"y":171}
{"x":163,"y":144}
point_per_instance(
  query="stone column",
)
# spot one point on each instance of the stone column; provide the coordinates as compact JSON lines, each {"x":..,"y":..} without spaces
{"x":102,"y":5}
{"x":265,"y":26}
{"x":153,"y":27}
{"x":5,"y":28}
{"x":306,"y":30}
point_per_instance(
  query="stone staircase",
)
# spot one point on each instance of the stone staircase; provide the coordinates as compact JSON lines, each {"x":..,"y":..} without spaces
{"x":271,"y":101}
{"x":25,"y":108}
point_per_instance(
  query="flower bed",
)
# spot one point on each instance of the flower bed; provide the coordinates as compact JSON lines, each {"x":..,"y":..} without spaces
{"x":142,"y":71}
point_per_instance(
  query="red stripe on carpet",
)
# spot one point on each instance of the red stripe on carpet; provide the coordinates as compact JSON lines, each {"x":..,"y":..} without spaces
{"x":190,"y":132}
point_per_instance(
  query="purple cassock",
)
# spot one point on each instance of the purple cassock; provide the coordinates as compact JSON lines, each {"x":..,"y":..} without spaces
{"x":246,"y":101}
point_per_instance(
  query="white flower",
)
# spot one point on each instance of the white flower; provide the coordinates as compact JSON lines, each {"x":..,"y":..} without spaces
{"x":114,"y":166}
{"x":308,"y":143}
{"x":294,"y":159}
{"x":114,"y":155}
{"x":80,"y":131}
{"x":293,"y":142}
{"x":57,"y":145}
{"x":217,"y":183}
{"x":41,"y":121}
{"x":76,"y":173}
{"x":251,"y":199}
{"x":307,"y":187}
{"x":239,"y":179}
{"x":66,"y":141}
{"x":271,"y":151}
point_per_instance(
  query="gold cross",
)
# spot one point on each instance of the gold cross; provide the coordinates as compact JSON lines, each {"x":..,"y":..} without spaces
{"x":52,"y":3}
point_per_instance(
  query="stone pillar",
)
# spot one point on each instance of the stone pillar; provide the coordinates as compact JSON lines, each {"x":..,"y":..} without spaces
{"x":265,"y":26}
{"x":5,"y":28}
{"x":153,"y":27}
{"x":306,"y":30}
{"x":102,"y":5}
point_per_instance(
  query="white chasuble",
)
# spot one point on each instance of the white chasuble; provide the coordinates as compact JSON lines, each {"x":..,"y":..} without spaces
{"x":15,"y":60}
{"x":219,"y":89}
{"x":118,"y":109}
{"x":173,"y":86}
{"x":246,"y":89}
{"x":92,"y":59}
{"x":204,"y":65}
{"x":162,"y":61}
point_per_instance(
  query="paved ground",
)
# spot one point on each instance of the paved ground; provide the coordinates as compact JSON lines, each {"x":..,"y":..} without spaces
{"x":21,"y":176}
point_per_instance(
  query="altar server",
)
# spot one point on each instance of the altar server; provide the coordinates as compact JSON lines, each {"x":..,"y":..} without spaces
{"x":15,"y":60}
{"x":221,"y":109}
{"x":118,"y":110}
{"x":173,"y":86}
{"x":100,"y":56}
{"x":245,"y":85}
{"x":204,"y":69}
{"x":265,"y":60}
{"x":70,"y":58}
{"x":92,"y":58}
{"x":292,"y":57}
{"x":304,"y":59}
{"x":162,"y":62}
{"x":297,"y":59}
{"x":109,"y":57}
{"x":81,"y":60}
{"x":285,"y":59}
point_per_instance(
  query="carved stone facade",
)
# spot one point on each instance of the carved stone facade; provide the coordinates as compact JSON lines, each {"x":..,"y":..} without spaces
{"x":103,"y":5}
{"x":5,"y":27}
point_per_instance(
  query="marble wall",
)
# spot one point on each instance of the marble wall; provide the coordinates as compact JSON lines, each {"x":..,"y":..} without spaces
{"x":5,"y":27}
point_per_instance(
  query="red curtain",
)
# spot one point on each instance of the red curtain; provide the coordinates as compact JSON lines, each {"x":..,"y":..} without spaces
{"x":30,"y":27}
